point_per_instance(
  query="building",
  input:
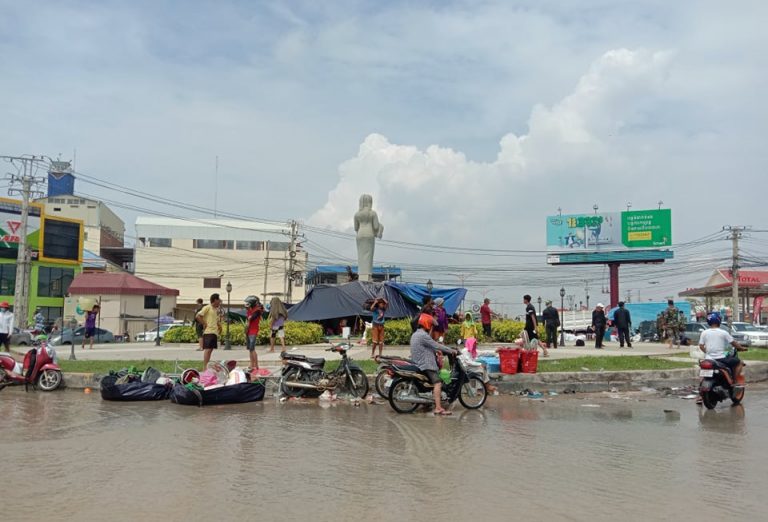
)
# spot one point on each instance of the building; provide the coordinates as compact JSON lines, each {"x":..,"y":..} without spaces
{"x":104,"y":231}
{"x":129,"y":304}
{"x":340,"y":274}
{"x":199,"y":257}
{"x":753,"y":288}
{"x":55,"y":248}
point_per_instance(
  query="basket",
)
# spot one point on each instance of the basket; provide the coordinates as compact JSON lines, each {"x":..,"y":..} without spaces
{"x":529,"y":361}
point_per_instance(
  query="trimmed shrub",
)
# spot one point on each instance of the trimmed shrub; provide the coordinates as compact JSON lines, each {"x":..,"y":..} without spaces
{"x":506,"y":331}
{"x":180,"y":334}
{"x":295,"y":333}
{"x":397,"y":332}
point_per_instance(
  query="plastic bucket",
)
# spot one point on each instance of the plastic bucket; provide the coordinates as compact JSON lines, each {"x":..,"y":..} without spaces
{"x":509,"y":359}
{"x":529,"y":361}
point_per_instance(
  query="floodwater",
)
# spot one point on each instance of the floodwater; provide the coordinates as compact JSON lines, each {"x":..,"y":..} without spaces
{"x":71,"y":456}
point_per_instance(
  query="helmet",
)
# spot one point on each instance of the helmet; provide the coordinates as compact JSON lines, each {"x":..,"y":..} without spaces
{"x":713,"y":319}
{"x":5,"y":304}
{"x":426,"y":321}
{"x":252,"y":300}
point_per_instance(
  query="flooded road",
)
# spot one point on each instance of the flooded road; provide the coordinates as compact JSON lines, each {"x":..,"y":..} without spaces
{"x":567,"y":458}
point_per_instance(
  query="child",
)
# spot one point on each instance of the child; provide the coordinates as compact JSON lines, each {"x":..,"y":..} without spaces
{"x":470,"y":334}
{"x":379,"y":307}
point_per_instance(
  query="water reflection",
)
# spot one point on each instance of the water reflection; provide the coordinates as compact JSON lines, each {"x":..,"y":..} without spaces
{"x":595,"y":457}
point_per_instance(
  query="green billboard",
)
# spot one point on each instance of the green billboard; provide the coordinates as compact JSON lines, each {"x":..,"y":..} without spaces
{"x":646,"y":228}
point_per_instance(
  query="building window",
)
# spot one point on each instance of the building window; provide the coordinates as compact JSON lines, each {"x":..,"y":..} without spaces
{"x":163,"y":242}
{"x":214,"y":244}
{"x":150,"y":302}
{"x":250,"y":245}
{"x":7,"y":279}
{"x":279,"y":246}
{"x":51,"y":313}
{"x":211,"y":282}
{"x":54,"y":282}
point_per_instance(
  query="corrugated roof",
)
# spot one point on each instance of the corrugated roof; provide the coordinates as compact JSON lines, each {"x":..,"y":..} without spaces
{"x":112,"y":283}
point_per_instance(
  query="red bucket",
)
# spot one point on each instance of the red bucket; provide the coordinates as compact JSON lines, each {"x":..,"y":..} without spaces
{"x":509,"y":358}
{"x":529,"y":361}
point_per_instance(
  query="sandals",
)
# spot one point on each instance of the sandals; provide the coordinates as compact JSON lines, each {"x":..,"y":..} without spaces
{"x":442,"y":413}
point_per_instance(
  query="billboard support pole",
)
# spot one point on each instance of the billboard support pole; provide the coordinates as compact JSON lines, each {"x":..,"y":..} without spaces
{"x":613,"y":270}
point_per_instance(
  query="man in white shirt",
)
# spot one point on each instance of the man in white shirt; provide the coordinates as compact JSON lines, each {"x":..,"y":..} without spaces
{"x":6,"y":325}
{"x":718,"y":345}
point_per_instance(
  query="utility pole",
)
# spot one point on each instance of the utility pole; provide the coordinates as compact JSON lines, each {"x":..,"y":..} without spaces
{"x":736,"y":233}
{"x":266,"y":273}
{"x":23,"y":183}
{"x":462,"y":277}
{"x":586,"y":292}
{"x":292,"y":258}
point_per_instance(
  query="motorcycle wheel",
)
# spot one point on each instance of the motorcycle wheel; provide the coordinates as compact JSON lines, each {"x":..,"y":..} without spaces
{"x":473,"y":393}
{"x":358,"y":384}
{"x":709,"y":399}
{"x":378,"y":383}
{"x":291,"y":375}
{"x":49,"y":380}
{"x":402,"y":387}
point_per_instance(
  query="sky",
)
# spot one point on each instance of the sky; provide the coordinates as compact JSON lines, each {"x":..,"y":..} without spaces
{"x":468,"y":122}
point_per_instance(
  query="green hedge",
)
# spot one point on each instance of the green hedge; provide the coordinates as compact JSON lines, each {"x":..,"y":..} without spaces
{"x":399,"y":332}
{"x":295,"y":333}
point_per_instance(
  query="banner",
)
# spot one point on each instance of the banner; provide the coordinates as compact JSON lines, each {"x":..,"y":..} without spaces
{"x":611,"y":231}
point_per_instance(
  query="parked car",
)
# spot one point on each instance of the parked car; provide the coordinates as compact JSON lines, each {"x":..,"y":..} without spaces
{"x":693,"y":332}
{"x":151,"y":335}
{"x":21,"y":338}
{"x":76,"y":336}
{"x":756,"y":336}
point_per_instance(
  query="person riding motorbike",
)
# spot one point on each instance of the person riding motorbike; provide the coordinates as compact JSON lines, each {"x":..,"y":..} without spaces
{"x":423,"y":353}
{"x":716,"y":344}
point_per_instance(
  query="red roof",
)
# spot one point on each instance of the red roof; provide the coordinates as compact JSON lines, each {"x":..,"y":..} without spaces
{"x":116,"y":283}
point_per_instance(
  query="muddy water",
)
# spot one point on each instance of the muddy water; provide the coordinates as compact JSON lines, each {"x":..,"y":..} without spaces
{"x":582,"y":458}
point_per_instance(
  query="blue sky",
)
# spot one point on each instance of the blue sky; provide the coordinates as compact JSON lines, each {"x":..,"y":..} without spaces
{"x":308,"y":103}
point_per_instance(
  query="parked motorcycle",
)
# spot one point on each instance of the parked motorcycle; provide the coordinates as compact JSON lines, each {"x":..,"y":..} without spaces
{"x":411,"y":388}
{"x":384,"y":373}
{"x":718,"y":383}
{"x":302,"y":375}
{"x":38,"y":369}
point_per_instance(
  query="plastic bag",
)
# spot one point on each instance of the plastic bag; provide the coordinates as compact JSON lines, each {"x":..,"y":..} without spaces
{"x":208,"y":378}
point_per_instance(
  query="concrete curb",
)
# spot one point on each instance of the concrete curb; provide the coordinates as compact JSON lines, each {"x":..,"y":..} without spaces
{"x":553,"y":381}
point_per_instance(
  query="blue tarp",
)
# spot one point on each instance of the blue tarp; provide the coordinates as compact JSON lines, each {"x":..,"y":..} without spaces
{"x":348,"y":300}
{"x":416,"y":293}
{"x":649,"y":311}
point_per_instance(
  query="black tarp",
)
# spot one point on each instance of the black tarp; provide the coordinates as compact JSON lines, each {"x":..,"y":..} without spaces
{"x":133,"y":391}
{"x":232,"y":394}
{"x":334,"y":301}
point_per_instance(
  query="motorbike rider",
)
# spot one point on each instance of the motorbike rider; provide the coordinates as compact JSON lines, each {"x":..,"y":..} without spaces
{"x":423,"y":354}
{"x":716,"y":344}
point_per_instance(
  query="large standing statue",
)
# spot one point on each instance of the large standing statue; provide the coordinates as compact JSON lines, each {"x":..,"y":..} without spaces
{"x":368,"y":229}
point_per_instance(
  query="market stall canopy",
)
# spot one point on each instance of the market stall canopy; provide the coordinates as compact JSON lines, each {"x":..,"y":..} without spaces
{"x":334,"y":301}
{"x":416,"y":294}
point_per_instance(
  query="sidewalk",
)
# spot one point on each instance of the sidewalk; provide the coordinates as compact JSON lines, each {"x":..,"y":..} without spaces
{"x":170,"y":352}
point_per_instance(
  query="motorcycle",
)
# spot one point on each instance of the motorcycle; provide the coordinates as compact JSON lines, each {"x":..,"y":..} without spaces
{"x":38,"y":369}
{"x":411,"y":388}
{"x":302,"y":375}
{"x":718,"y":383}
{"x":384,"y":373}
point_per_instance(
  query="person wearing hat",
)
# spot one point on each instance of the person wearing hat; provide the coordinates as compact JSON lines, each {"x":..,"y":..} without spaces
{"x":6,"y":325}
{"x":623,"y":322}
{"x":599,"y":323}
{"x":424,"y":351}
{"x":442,"y":320}
{"x":253,"y":313}
{"x":551,"y":319}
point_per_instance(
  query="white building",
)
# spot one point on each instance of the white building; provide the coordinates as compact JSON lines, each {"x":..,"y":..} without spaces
{"x":199,"y":257}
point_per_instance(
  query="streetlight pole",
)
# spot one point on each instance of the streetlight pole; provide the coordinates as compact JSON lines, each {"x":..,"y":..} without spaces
{"x":430,"y":286}
{"x":562,"y":316}
{"x":539,"y":300}
{"x":158,"y":299}
{"x":228,"y":342}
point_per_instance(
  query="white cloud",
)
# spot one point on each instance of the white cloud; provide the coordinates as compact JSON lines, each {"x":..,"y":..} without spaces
{"x":479,"y":200}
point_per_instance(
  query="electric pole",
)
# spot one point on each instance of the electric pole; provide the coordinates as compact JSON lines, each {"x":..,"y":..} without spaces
{"x":736,"y":233}
{"x":292,"y":258}
{"x":23,"y":183}
{"x":586,"y":292}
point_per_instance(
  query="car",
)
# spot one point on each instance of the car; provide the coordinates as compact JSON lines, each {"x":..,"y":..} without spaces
{"x":756,"y":336}
{"x":76,"y":336}
{"x":21,"y":338}
{"x":693,"y":332}
{"x":151,"y":335}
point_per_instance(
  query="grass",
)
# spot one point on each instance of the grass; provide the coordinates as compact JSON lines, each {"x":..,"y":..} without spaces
{"x":755,"y":354}
{"x":610,"y":364}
